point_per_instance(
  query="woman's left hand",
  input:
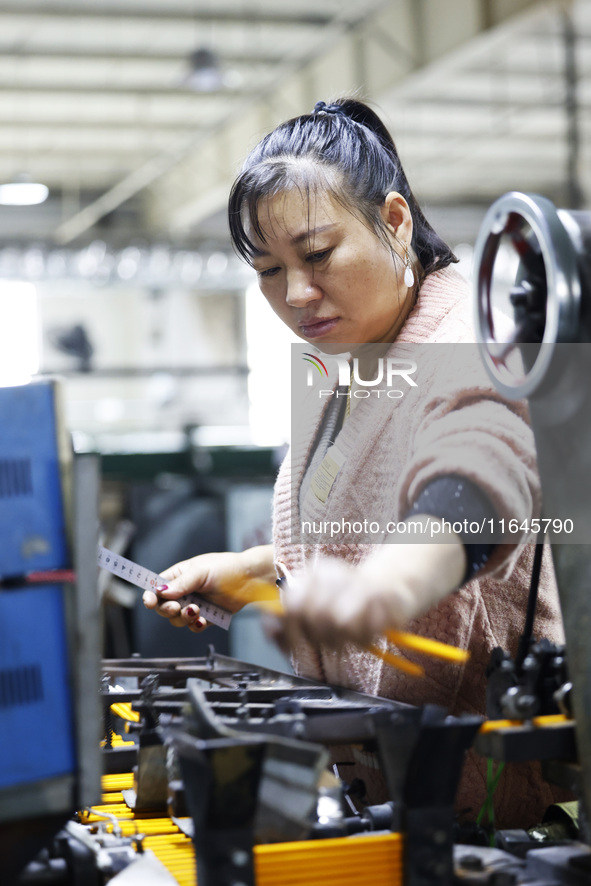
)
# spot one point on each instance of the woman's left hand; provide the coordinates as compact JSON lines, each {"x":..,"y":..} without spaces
{"x":333,"y":602}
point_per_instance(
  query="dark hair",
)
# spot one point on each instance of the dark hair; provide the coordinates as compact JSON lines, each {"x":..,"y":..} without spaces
{"x":352,"y":154}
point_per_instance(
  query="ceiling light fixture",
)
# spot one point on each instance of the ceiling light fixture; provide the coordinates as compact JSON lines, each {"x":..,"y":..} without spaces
{"x":204,"y":74}
{"x":23,"y":192}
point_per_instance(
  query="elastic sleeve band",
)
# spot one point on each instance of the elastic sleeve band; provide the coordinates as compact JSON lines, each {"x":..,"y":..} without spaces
{"x":460,"y":501}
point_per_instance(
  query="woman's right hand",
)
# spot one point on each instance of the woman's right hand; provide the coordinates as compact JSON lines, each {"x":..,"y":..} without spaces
{"x":222,"y":578}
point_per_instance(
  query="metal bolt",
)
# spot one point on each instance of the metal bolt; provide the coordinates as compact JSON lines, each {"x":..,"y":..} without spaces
{"x":240,"y":858}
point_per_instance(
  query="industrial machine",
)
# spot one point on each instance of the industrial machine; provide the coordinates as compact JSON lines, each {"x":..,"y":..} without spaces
{"x":223,"y":773}
{"x":534,"y":330}
{"x":49,"y":630}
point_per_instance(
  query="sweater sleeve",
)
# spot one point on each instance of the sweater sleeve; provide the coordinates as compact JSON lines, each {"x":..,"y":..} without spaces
{"x":463,"y":427}
{"x":460,"y":503}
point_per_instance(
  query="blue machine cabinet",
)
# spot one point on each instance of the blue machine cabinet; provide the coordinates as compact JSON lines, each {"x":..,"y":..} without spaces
{"x":36,"y":720}
{"x":32,"y":524}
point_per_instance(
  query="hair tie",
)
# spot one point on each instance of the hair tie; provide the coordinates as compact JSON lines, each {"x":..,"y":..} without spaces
{"x":323,"y":108}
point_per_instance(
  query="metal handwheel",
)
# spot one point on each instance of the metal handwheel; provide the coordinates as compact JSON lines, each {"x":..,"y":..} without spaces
{"x":527,"y":285}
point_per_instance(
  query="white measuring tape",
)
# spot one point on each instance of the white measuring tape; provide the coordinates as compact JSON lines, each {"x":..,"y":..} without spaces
{"x":143,"y":578}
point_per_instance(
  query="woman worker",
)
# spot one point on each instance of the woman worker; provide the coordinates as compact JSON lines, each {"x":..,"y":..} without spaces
{"x":323,"y":212}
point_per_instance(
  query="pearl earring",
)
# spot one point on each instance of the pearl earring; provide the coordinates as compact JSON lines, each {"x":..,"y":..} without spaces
{"x":409,"y":277}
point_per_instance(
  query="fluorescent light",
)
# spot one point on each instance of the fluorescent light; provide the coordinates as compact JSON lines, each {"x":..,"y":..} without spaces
{"x":268,"y":343}
{"x":23,"y":193}
{"x":19,"y":332}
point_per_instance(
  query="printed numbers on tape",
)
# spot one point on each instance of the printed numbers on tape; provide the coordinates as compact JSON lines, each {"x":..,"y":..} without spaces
{"x":146,"y":580}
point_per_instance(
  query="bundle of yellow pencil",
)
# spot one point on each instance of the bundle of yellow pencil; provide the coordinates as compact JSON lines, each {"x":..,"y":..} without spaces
{"x":265,"y":595}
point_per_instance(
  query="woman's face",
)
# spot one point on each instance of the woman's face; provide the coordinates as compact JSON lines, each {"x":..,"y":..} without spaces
{"x":327,"y":275}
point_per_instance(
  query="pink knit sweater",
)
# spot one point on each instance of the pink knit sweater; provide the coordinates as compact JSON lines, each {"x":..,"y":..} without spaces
{"x":459,"y":425}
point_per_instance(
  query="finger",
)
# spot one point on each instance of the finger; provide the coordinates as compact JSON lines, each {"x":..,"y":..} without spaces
{"x":174,"y":571}
{"x":170,"y":591}
{"x":150,"y":600}
{"x":316,"y":618}
{"x":169,"y":574}
{"x":351,"y":618}
{"x":169,"y":608}
{"x":168,"y":612}
{"x":178,"y":622}
{"x":174,"y":589}
{"x":199,"y":625}
{"x":194,"y":620}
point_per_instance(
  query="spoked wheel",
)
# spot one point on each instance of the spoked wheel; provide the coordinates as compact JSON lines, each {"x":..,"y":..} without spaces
{"x":527,"y":290}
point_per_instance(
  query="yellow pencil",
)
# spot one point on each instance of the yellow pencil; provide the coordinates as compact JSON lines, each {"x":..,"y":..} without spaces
{"x":275,"y":607}
{"x":408,"y":667}
{"x":265,"y":596}
{"x":433,"y":648}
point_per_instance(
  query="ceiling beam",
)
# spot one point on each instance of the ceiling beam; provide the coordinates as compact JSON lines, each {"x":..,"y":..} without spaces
{"x":411,"y":139}
{"x":516,"y":103}
{"x":105,"y":89}
{"x":22,"y":126}
{"x":127,"y":153}
{"x":120,"y":12}
{"x":93,"y":54}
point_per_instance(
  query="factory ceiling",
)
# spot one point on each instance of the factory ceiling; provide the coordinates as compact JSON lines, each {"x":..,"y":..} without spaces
{"x":137,"y":113}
